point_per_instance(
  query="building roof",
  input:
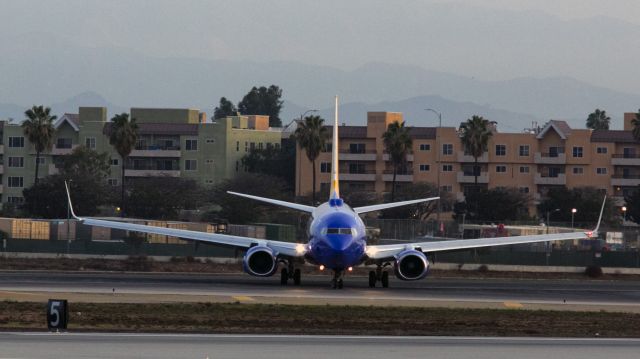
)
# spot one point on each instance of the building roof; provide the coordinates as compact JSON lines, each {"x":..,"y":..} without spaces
{"x":561,"y":127}
{"x":190,"y":129}
{"x":423,"y":133}
{"x":350,"y":131}
{"x":73,"y":119}
{"x":613,"y":136}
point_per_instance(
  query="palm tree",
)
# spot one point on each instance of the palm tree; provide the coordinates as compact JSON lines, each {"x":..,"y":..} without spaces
{"x":598,"y":120}
{"x":38,"y":127}
{"x":475,"y":135}
{"x":311,"y":136}
{"x":636,"y":126}
{"x":397,"y":144}
{"x":123,"y":136}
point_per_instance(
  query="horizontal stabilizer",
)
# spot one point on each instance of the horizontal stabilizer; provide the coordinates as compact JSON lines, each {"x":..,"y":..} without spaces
{"x":379,"y":207}
{"x":296,"y":206}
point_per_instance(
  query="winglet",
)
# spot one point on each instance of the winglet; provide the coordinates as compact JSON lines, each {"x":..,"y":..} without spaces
{"x":66,"y":186}
{"x":595,"y":231}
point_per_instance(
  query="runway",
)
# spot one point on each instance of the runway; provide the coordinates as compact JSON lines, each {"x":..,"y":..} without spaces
{"x":170,"y":287}
{"x":125,"y":345}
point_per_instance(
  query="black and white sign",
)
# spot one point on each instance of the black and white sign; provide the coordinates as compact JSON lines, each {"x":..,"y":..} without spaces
{"x":57,"y":314}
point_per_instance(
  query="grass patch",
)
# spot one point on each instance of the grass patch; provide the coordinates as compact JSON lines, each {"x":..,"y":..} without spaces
{"x":329,"y":319}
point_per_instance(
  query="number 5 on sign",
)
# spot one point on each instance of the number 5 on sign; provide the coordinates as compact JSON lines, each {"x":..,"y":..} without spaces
{"x":57,"y":314}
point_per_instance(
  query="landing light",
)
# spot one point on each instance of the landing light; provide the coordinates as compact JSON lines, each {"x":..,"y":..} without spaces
{"x":300,"y":248}
{"x":350,"y":269}
{"x":321,"y":267}
{"x":371,"y":251}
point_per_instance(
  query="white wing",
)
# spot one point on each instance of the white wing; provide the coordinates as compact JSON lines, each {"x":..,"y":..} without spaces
{"x":378,"y":207}
{"x":390,"y":250}
{"x":296,"y":206}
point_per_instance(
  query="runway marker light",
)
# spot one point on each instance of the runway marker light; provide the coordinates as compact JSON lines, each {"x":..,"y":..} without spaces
{"x":321,"y":267}
{"x":350,"y":269}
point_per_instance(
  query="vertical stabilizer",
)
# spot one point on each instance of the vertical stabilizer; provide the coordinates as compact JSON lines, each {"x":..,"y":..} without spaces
{"x":335,"y":185}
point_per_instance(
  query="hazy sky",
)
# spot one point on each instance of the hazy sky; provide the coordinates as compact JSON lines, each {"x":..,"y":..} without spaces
{"x":487,"y":39}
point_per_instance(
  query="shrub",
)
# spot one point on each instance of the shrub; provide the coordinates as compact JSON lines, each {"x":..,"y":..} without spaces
{"x":483,"y":268}
{"x":593,"y":271}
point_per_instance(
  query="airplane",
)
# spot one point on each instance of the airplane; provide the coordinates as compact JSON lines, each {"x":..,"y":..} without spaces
{"x":337,"y":239}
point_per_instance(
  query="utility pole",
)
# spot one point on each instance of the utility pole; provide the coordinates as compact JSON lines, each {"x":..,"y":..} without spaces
{"x":438,"y":150}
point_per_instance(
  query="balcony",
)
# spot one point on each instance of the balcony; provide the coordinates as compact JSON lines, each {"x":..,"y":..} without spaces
{"x":358,"y":156}
{"x":405,"y":176}
{"x":468,"y":177}
{"x":544,"y":179}
{"x":386,"y":157}
{"x":358,"y":176}
{"x":625,"y":181}
{"x":625,"y":160}
{"x":151,"y":173}
{"x":549,"y":158}
{"x":62,"y":150}
{"x":462,"y":157}
{"x":155,"y":151}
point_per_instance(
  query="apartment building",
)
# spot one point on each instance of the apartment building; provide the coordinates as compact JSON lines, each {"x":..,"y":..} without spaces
{"x":532,"y":161}
{"x":171,"y":142}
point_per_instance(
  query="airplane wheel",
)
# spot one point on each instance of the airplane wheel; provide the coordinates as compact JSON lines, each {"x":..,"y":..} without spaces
{"x":284,"y":276}
{"x":385,"y":279}
{"x":372,"y":279}
{"x":296,"y":277}
{"x":340,"y":283}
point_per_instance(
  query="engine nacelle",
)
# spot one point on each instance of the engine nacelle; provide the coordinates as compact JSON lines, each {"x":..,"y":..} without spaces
{"x":411,"y":265}
{"x":260,"y":261}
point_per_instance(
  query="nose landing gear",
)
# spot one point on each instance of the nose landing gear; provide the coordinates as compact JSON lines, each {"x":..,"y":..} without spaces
{"x":337,"y":281}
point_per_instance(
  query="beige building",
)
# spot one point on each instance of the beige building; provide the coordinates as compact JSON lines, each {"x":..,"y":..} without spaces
{"x":532,"y":161}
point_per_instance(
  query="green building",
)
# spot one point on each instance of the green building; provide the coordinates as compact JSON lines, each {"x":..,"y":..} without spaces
{"x":171,"y":142}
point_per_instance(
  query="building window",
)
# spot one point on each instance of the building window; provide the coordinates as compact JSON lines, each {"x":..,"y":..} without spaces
{"x":41,"y":160}
{"x":64,"y":143}
{"x":577,"y":151}
{"x":327,"y":147}
{"x":578,"y":170}
{"x":246,"y":146}
{"x":211,"y":140}
{"x":260,"y":145}
{"x":523,"y":189}
{"x":112,"y":182}
{"x":15,"y":182}
{"x":501,"y":150}
{"x":16,"y":161}
{"x":523,"y":150}
{"x":15,"y":200}
{"x":601,"y":150}
{"x":237,"y":166}
{"x":209,"y":162}
{"x":357,"y":148}
{"x":447,"y":168}
{"x":114,"y":162}
{"x":501,"y":169}
{"x":325,"y":167}
{"x":16,"y":141}
{"x":90,"y":142}
{"x":524,"y":169}
{"x":446,"y":188}
{"x":424,"y":168}
{"x":252,"y":146}
{"x":191,"y":145}
{"x":447,"y":149}
{"x":208,"y":181}
{"x":356,"y":168}
{"x":190,"y":165}
{"x":601,"y":170}
{"x":425,"y":147}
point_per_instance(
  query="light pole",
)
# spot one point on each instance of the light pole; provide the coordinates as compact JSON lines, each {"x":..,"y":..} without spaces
{"x":300,"y":154}
{"x":438,"y":162}
{"x":624,"y":215}
{"x":548,"y":215}
{"x":68,"y":222}
{"x":573,"y":213}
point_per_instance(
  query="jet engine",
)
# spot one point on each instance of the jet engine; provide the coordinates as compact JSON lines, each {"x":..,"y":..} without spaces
{"x":260,"y":261}
{"x":411,"y":265}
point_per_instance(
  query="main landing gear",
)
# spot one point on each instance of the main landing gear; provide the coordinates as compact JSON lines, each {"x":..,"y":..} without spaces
{"x":379,"y":275}
{"x":290,"y":273}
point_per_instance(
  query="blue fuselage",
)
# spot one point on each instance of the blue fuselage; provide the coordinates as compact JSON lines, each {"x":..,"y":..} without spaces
{"x":337,"y":237}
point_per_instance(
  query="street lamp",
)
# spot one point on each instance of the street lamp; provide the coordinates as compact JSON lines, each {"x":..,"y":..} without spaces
{"x":548,"y":215}
{"x":624,"y":214}
{"x":300,"y":155}
{"x":573,"y":213}
{"x":437,"y":161}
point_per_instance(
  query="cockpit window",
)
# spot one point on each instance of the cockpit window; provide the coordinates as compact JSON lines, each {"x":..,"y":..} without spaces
{"x":351,"y":231}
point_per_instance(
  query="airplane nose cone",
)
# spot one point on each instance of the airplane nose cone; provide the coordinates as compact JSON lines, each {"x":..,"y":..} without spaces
{"x":338,"y":242}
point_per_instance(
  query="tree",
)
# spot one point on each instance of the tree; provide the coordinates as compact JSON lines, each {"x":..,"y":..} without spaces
{"x":263,"y":101}
{"x":38,"y":127}
{"x":636,"y":126}
{"x":397,"y":144}
{"x":123,"y":136}
{"x":475,"y":135}
{"x":273,"y":161}
{"x":311,"y":136}
{"x":163,"y":197}
{"x":224,"y":109}
{"x":598,"y":120}
{"x":632,"y":202}
{"x":418,"y":211}
{"x":86,"y":171}
{"x":586,"y":200}
{"x":495,"y":205}
{"x":241,"y":210}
